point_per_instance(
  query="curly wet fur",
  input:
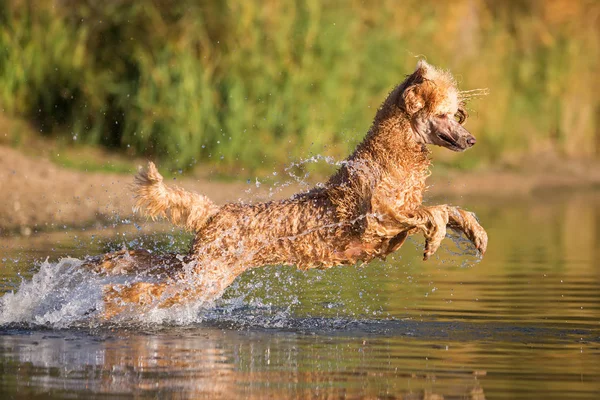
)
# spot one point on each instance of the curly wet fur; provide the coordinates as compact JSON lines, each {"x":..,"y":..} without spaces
{"x":365,"y":210}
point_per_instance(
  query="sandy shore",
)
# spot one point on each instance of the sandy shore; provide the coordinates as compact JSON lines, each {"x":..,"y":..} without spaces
{"x":36,"y":195}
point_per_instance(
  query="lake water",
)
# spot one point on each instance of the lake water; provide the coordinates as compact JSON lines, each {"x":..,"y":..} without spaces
{"x":523,"y":323}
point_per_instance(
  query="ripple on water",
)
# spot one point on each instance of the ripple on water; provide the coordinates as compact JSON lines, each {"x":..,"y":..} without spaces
{"x":522,"y":323}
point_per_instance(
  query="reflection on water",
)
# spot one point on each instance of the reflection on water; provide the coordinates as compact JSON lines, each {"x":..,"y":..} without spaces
{"x":522,"y":323}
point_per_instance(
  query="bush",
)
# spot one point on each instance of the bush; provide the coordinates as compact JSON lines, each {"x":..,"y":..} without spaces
{"x":249,"y":83}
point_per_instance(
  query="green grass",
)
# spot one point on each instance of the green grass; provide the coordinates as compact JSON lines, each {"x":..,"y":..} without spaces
{"x":82,"y":163}
{"x":255,"y":85}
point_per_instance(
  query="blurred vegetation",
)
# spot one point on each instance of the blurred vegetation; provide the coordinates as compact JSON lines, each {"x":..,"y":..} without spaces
{"x":256,"y":84}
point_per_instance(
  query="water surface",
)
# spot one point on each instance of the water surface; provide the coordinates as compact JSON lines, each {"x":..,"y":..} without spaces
{"x":522,"y":323}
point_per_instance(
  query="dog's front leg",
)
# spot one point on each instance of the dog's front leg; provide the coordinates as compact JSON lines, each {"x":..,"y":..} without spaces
{"x":466,"y":222}
{"x":432,"y":221}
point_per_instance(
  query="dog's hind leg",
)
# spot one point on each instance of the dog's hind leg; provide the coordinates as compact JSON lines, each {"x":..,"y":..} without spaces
{"x":140,"y":297}
{"x":118,"y":298}
{"x":129,"y":262}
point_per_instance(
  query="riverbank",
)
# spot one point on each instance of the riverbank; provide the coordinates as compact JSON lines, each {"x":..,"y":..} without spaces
{"x":37,"y":195}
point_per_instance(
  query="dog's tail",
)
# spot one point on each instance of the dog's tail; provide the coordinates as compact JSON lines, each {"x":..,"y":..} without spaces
{"x":183,"y":208}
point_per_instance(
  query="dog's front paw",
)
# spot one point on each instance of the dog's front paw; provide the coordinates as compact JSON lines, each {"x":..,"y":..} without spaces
{"x":476,"y":233}
{"x":468,"y":223}
{"x":433,"y":241}
{"x":480,"y":240}
{"x":430,"y":248}
{"x":428,"y":252}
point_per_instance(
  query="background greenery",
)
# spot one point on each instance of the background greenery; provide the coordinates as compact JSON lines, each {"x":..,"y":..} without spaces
{"x":258,"y":84}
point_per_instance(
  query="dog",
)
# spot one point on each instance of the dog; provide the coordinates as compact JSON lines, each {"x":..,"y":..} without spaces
{"x":366,"y":210}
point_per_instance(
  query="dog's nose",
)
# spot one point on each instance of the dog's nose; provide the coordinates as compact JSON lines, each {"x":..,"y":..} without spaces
{"x":471,"y":141}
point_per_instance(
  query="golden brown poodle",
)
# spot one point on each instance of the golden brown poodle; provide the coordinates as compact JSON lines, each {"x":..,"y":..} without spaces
{"x":365,"y":210}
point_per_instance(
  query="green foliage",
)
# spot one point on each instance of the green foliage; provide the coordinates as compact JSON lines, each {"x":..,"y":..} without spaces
{"x":257,"y":84}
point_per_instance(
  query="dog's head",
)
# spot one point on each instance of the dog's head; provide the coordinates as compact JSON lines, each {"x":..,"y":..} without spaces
{"x":433,"y":103}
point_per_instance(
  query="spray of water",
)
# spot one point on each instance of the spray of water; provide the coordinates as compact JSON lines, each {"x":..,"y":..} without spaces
{"x":58,"y":295}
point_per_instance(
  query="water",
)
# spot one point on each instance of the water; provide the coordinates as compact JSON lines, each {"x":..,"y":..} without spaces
{"x":522,"y":323}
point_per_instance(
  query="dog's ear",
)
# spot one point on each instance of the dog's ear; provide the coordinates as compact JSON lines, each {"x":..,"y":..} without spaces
{"x":422,"y":69}
{"x":413,"y":95}
{"x":413,"y":101}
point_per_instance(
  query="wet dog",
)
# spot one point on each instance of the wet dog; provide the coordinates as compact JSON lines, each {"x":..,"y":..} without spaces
{"x":366,"y":210}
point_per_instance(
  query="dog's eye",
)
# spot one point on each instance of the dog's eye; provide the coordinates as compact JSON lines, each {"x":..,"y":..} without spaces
{"x":442,"y":116}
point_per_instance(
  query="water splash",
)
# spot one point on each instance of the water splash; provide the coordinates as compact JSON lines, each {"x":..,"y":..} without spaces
{"x":463,"y":249}
{"x":297,"y":174}
{"x":65,"y":294}
{"x":58,"y":295}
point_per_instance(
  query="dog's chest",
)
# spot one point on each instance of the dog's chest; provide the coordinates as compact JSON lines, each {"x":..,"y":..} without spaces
{"x":397,"y":192}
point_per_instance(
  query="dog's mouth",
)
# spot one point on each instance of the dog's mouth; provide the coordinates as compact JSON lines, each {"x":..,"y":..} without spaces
{"x":449,"y":141}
